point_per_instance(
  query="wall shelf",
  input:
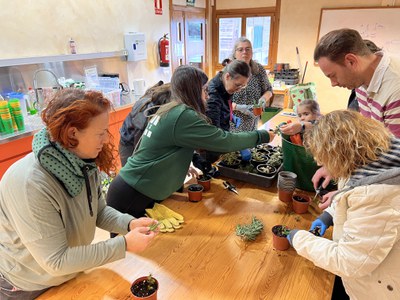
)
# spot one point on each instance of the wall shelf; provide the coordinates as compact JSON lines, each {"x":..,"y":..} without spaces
{"x":59,"y":58}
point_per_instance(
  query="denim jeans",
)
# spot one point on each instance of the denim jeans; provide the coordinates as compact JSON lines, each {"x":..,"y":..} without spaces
{"x":8,"y":291}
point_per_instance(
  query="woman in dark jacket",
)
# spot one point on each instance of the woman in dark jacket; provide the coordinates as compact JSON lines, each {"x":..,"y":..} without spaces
{"x":231,"y":79}
{"x":135,"y":123}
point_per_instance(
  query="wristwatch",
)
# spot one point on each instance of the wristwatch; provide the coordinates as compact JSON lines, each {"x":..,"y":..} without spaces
{"x":303,"y":127}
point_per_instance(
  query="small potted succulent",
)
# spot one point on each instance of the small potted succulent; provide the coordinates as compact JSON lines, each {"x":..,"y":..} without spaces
{"x":195,"y":192}
{"x":264,"y":148}
{"x":257,"y":109}
{"x":258,"y":158}
{"x":230,"y":160}
{"x":145,"y":287}
{"x":300,"y":203}
{"x":266,"y":170}
{"x":279,"y":240}
{"x":275,"y":159}
{"x":205,"y":181}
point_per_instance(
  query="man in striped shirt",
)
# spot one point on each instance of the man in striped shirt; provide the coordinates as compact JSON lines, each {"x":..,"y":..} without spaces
{"x":345,"y":59}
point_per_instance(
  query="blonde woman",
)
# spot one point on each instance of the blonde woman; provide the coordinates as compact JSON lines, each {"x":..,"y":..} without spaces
{"x":365,"y":250}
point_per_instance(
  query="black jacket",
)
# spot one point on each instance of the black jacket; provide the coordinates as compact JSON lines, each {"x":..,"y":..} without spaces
{"x":218,"y":103}
{"x":136,"y":122}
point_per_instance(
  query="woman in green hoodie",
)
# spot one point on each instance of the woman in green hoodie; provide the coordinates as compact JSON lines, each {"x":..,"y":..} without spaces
{"x":160,"y":165}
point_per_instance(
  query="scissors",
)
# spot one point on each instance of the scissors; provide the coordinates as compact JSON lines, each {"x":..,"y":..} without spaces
{"x":230,"y":187}
{"x":317,"y":192}
{"x":320,"y":191}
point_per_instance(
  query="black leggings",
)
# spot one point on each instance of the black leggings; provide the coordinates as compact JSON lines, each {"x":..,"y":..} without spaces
{"x":9,"y":292}
{"x":126,"y":199}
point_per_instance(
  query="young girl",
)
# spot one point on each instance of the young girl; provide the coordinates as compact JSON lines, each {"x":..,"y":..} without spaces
{"x":308,"y":113}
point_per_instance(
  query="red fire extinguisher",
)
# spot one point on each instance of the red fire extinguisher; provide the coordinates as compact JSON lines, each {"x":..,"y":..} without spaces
{"x":163,"y":49}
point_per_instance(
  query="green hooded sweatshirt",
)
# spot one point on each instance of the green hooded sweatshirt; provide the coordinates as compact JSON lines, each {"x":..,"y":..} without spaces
{"x":160,"y":165}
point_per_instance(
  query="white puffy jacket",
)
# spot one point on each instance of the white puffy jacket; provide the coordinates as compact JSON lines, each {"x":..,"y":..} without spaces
{"x":365,"y":250}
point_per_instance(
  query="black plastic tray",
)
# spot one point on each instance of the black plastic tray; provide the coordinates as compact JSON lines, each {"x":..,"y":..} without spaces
{"x":247,"y":176}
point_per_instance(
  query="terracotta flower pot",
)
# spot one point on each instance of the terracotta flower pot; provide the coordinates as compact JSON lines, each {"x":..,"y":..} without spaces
{"x":285,"y":196}
{"x":205,"y":181}
{"x":301,"y":203}
{"x":137,"y":285}
{"x":195,"y":192}
{"x":257,"y":111}
{"x":279,"y":240}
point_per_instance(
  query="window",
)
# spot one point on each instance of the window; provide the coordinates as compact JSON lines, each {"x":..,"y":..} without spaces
{"x":230,"y":31}
{"x":258,"y":30}
{"x":257,"y":25}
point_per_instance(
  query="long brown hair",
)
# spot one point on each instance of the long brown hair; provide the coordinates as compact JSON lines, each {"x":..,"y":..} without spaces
{"x":75,"y":108}
{"x":186,"y":85}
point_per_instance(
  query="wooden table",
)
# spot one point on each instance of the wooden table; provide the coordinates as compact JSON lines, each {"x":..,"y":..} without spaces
{"x":206,"y":260}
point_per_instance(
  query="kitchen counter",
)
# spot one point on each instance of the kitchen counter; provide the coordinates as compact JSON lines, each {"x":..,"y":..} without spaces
{"x":17,"y":145}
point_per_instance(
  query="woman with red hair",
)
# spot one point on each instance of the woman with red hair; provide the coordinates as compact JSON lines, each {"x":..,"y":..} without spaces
{"x":51,"y":201}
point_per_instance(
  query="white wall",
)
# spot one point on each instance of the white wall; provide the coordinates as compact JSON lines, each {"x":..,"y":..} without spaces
{"x":299,"y":27}
{"x":43,"y":27}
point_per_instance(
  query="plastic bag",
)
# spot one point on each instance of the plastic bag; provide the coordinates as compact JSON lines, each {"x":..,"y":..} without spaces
{"x":302,"y":91}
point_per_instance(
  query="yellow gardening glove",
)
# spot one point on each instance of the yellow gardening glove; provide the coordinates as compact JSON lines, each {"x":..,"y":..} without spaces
{"x":165,"y":225}
{"x":168,"y":214}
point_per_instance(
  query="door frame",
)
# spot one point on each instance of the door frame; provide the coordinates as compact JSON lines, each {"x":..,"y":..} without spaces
{"x":175,"y":8}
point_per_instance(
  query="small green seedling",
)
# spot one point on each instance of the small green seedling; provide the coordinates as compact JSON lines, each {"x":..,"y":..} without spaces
{"x":153,"y":226}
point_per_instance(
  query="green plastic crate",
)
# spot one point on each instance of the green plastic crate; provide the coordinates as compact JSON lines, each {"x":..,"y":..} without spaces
{"x":269,"y":112}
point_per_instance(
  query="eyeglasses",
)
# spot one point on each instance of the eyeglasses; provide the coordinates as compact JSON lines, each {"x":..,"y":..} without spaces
{"x":247,"y":49}
{"x":240,"y":86}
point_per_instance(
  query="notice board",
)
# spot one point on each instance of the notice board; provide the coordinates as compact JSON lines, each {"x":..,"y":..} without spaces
{"x":378,"y":24}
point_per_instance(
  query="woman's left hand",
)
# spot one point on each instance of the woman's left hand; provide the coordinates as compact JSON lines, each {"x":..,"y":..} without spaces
{"x":141,"y":222}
